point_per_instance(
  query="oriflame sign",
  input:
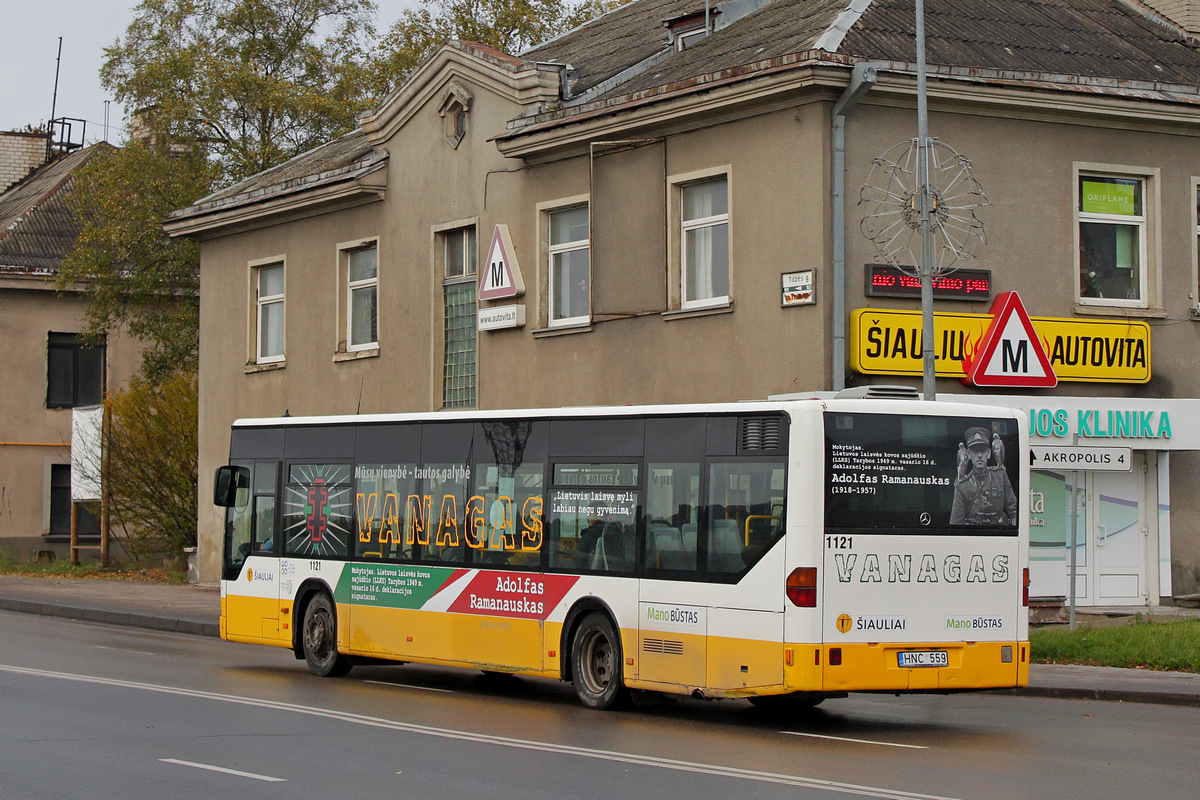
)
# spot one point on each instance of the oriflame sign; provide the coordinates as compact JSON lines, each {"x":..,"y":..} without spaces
{"x":888,"y":342}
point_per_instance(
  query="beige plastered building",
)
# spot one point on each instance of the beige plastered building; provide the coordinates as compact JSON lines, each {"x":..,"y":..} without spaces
{"x":656,"y":185}
{"x":49,"y":370}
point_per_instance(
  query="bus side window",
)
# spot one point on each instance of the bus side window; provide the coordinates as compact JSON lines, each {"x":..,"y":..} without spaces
{"x":672,"y":508}
{"x":266,"y":478}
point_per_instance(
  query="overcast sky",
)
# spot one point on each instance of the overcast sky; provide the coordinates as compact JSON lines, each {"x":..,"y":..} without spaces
{"x":27,"y":61}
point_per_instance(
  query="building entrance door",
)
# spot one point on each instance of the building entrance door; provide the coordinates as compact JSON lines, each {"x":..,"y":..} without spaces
{"x":1110,"y":536}
{"x":1117,"y":535}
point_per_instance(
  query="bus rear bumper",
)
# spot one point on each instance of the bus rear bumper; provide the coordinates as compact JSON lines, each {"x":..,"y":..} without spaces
{"x":968,"y":665}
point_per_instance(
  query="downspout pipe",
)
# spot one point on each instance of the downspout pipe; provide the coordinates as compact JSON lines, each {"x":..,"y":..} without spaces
{"x":862,"y":78}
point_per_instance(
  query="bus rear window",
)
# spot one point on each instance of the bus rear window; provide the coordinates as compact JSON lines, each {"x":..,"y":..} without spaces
{"x":921,"y":474}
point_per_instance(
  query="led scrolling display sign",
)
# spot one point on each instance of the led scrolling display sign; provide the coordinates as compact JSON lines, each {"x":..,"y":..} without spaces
{"x":883,"y":280}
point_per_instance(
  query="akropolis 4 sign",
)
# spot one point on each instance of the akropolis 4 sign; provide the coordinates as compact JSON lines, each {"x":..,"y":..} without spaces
{"x":888,"y":342}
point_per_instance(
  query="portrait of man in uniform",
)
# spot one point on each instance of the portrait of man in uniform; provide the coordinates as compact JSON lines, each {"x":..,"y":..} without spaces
{"x":983,"y":494}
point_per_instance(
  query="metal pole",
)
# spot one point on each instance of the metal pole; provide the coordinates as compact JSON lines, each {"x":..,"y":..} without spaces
{"x":924,"y":198}
{"x":1074,"y":547}
{"x":861,"y":80}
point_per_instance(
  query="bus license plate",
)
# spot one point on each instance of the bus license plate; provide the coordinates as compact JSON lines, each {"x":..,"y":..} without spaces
{"x":924,"y":658}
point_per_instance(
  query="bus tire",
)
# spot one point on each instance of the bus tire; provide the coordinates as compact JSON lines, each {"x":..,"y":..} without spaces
{"x":596,"y":658}
{"x":318,"y":637}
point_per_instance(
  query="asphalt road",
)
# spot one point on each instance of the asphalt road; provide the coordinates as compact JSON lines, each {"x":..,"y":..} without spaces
{"x":99,"y":712}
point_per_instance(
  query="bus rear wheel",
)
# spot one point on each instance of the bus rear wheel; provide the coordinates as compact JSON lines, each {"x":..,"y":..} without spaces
{"x":318,"y":636}
{"x":596,"y":656}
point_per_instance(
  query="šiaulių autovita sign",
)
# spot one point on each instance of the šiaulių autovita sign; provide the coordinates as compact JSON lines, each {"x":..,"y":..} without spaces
{"x":888,"y":342}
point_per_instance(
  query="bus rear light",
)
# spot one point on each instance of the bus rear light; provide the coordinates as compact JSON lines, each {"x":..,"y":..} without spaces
{"x":802,"y":587}
{"x":1025,"y":587}
{"x":835,"y":656}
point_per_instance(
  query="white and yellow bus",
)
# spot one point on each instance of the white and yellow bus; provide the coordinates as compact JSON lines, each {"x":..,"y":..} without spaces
{"x":777,"y":551}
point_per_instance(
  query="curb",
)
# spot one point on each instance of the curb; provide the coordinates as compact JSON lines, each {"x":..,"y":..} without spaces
{"x":1106,"y":695}
{"x":129,"y":619}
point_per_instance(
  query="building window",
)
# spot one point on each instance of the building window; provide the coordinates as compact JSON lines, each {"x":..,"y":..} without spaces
{"x":361,"y":268}
{"x":458,"y":309}
{"x":1113,"y":237}
{"x":704,"y":237}
{"x":569,"y":268}
{"x":459,"y":247}
{"x":1196,"y":248}
{"x":60,"y":505}
{"x":455,"y":105}
{"x":75,"y":371}
{"x":269,"y":281}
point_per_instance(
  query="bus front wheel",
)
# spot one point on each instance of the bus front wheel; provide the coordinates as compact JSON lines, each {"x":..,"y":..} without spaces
{"x":596,"y":654}
{"x":319,"y":637}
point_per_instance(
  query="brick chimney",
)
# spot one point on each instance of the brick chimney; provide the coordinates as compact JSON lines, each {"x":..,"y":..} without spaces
{"x":20,"y":154}
{"x":1184,"y":13}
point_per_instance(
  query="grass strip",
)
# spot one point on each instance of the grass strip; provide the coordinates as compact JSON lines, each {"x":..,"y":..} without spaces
{"x":1140,"y":644}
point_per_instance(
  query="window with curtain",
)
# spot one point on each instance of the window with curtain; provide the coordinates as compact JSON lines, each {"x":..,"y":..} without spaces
{"x":570,"y":269}
{"x":705,"y":241}
{"x":270,"y":319}
{"x":1112,"y":240}
{"x":362,"y":301}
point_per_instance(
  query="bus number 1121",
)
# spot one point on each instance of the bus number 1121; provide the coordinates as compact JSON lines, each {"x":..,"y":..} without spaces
{"x":839,"y":542}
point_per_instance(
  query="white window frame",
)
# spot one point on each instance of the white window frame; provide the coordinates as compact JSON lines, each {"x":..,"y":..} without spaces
{"x":1149,"y":278}
{"x":684,"y":226}
{"x":1194,"y":294}
{"x":552,"y":249}
{"x":261,"y":302}
{"x":439,"y":244}
{"x":345,"y":250}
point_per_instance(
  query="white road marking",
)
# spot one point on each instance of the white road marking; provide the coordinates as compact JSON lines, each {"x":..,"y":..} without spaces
{"x":856,"y":741}
{"x":125,"y":650}
{"x":212,"y":768}
{"x":410,"y":686}
{"x":499,"y":741}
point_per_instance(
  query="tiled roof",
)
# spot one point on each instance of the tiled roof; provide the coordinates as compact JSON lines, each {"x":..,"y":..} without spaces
{"x":1087,"y":38}
{"x":325,"y":164}
{"x":614,"y":41}
{"x":37,"y":228}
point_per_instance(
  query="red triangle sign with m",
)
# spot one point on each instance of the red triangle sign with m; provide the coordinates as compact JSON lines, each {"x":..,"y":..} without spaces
{"x":1011,"y":353}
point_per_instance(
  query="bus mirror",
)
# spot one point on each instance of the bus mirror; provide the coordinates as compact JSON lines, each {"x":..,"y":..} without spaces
{"x":231,"y":486}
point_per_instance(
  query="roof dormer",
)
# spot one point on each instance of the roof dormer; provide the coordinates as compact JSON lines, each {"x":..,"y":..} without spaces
{"x":688,"y":29}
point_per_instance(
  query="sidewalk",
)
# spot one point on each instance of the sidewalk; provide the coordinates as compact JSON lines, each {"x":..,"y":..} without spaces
{"x":184,"y":608}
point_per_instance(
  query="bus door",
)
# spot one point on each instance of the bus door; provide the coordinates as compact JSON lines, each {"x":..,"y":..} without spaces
{"x":252,"y":569}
